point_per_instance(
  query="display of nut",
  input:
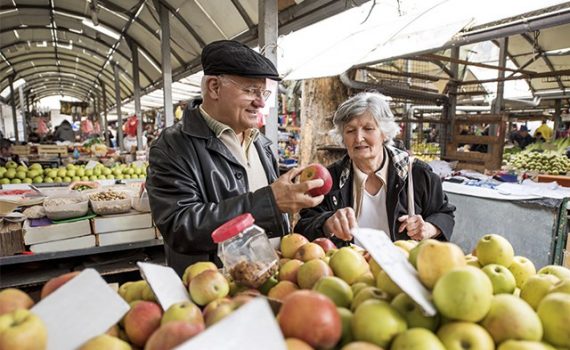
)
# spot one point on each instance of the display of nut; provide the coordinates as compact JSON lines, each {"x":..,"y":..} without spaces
{"x":252,"y":273}
{"x":108,"y":196}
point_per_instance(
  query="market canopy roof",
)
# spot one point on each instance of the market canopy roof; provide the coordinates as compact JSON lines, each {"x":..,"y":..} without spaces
{"x":68,"y":47}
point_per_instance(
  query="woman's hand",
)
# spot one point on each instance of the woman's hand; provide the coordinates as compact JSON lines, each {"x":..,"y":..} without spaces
{"x":340,"y":224}
{"x":417,"y":228}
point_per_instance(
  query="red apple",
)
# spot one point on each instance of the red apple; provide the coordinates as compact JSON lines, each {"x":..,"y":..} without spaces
{"x":141,"y":321}
{"x":57,"y":282}
{"x":325,"y":243}
{"x":311,"y":317}
{"x":317,"y":171}
{"x":172,"y":334}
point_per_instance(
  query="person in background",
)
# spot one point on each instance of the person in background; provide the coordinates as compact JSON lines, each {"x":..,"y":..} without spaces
{"x":370,"y":184}
{"x":523,"y":138}
{"x":64,"y":132}
{"x":215,"y":165}
{"x":6,"y":154}
{"x":544,"y":130}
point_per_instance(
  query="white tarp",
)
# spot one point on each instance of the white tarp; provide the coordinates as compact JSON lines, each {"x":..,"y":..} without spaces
{"x":334,"y":45}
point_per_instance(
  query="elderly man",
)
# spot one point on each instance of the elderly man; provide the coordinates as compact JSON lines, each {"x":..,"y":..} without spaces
{"x":215,"y":165}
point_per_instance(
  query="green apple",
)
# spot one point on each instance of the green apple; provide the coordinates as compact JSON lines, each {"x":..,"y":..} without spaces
{"x":385,"y":283}
{"x":70,"y":167}
{"x":512,"y":318}
{"x":472,"y":261}
{"x":368,"y":293}
{"x":417,"y":339}
{"x":21,"y":175}
{"x":336,"y":289}
{"x":524,"y":345}
{"x":348,"y":264}
{"x":358,"y":286}
{"x":562,"y":286}
{"x":80,"y":172}
{"x":559,"y":271}
{"x":494,"y":249}
{"x":554,"y":313}
{"x":16,"y":181}
{"x":36,"y":166}
{"x":27,"y":180}
{"x":88,"y":172}
{"x":465,"y":335}
{"x":105,"y":341}
{"x":58,"y":179}
{"x":85,"y":178}
{"x":435,"y":259}
{"x":536,"y":288}
{"x":464,"y":294}
{"x":522,"y":268}
{"x":502,"y":279}
{"x":21,"y":329}
{"x":106,"y":171}
{"x":207,"y":286}
{"x":61,"y":172}
{"x":4,"y":181}
{"x":10,"y":173}
{"x":183,"y":311}
{"x":11,"y":164}
{"x":413,"y":313}
{"x":377,"y":322}
{"x":346,"y":320}
{"x":33,"y":173}
{"x":52,"y":173}
{"x":22,"y":168}
{"x":38,"y":180}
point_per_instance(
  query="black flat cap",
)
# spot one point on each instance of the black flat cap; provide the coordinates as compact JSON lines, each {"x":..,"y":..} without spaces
{"x":232,"y":57}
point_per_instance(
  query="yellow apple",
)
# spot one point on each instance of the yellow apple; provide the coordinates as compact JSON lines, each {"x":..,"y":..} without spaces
{"x":512,"y":318}
{"x":465,"y":335}
{"x":195,"y":269}
{"x":435,"y":259}
{"x":290,"y":243}
{"x":417,"y":339}
{"x":536,"y":288}
{"x":502,"y":279}
{"x":207,"y":286}
{"x":554,"y":312}
{"x":524,"y":345}
{"x":22,"y":330}
{"x":559,"y":271}
{"x":12,"y":299}
{"x":413,"y":314}
{"x":107,"y":342}
{"x":522,"y":268}
{"x":336,"y":289}
{"x":464,"y":294}
{"x":377,"y":322}
{"x":494,"y":249}
{"x":348,"y":264}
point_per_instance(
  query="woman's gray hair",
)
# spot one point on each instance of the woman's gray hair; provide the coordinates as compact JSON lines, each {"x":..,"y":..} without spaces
{"x":372,"y":102}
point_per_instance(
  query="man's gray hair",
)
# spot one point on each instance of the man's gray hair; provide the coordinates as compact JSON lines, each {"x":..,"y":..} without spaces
{"x":372,"y":102}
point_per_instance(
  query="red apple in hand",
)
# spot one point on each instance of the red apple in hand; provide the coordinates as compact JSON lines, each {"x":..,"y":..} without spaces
{"x":317,"y":171}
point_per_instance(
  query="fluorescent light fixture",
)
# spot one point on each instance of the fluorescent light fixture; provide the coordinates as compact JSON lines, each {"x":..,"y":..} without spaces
{"x":559,"y":52}
{"x":64,"y":46}
{"x":16,"y":34}
{"x":101,"y":29}
{"x":150,"y":60}
{"x":77,"y":31}
{"x":42,"y":44}
{"x":2,"y":13}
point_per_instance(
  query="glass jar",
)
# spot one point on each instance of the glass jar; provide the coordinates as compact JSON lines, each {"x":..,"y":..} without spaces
{"x":245,"y":251}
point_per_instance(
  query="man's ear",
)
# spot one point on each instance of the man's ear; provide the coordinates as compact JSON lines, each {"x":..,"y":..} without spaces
{"x":213,"y":85}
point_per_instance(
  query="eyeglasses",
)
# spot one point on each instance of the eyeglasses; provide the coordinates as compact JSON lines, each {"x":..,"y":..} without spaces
{"x":251,"y":92}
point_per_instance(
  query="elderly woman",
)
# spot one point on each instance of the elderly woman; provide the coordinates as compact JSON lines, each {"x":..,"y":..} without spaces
{"x":370,"y":185}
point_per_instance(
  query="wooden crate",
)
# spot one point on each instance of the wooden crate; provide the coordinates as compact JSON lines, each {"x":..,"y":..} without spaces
{"x":22,"y":151}
{"x":479,"y":161}
{"x":560,"y":179}
{"x":52,"y":150}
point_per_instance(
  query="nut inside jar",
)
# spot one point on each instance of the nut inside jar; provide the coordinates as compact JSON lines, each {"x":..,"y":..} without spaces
{"x":252,"y":273}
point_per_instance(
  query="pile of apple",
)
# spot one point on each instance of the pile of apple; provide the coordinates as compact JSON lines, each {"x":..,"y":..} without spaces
{"x":15,"y":174}
{"x":331,"y":298}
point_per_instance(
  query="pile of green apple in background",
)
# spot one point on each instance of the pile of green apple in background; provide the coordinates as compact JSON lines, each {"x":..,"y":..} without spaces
{"x":13,"y":173}
{"x":333,"y":298}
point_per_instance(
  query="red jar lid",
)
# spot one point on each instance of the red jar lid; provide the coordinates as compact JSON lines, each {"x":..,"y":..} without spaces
{"x":232,"y":227}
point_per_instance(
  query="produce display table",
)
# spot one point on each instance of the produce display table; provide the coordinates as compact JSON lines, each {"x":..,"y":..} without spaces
{"x":537,"y":228}
{"x":23,"y":271}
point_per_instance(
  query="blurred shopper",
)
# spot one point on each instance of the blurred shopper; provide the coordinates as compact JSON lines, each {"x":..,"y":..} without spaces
{"x":544,"y":130}
{"x":64,"y":132}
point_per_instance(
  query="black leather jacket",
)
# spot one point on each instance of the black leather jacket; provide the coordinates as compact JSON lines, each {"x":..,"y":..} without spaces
{"x":195,"y":185}
{"x":430,"y":201}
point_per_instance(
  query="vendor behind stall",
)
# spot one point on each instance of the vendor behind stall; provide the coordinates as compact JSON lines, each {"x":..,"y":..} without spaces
{"x":6,"y":154}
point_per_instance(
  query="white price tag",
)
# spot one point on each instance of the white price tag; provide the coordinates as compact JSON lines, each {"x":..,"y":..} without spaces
{"x":252,"y":326}
{"x":91,"y":164}
{"x":165,"y":284}
{"x":389,"y":257}
{"x":81,"y":309}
